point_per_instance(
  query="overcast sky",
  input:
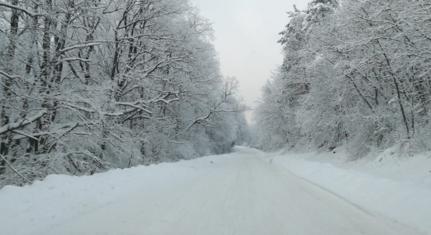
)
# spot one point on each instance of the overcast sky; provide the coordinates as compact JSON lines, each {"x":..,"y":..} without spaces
{"x":246,"y":35}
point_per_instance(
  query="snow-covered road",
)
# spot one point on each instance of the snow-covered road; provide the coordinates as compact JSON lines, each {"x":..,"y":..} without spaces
{"x":243,"y":193}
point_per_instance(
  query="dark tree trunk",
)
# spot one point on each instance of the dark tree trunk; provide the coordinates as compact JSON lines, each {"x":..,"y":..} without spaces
{"x":5,"y":117}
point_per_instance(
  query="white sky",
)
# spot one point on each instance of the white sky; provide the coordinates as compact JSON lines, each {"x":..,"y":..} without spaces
{"x":246,"y":35}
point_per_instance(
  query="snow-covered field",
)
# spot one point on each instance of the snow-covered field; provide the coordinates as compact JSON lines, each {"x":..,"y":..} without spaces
{"x":246,"y":192}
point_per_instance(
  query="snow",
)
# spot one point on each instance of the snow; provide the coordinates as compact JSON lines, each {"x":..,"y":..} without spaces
{"x":246,"y":192}
{"x":388,"y":184}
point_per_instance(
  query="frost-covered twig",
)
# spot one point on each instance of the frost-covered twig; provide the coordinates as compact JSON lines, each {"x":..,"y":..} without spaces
{"x":79,"y":46}
{"x":13,"y":169}
{"x":134,"y":105}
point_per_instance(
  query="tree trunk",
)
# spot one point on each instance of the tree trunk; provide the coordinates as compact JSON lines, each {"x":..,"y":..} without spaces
{"x":397,"y":89}
{"x":46,"y":85}
{"x":5,"y":117}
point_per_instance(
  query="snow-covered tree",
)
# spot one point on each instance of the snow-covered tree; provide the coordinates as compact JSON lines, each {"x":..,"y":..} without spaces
{"x":91,"y":85}
{"x":360,"y":73}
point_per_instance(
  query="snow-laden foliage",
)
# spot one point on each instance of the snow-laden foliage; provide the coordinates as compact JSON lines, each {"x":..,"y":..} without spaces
{"x":91,"y":85}
{"x":355,"y":73}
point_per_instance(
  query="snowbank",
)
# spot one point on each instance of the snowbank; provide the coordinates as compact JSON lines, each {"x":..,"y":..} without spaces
{"x":59,"y":198}
{"x":396,"y":187}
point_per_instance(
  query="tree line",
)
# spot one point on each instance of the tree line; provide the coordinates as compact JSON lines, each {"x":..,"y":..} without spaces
{"x":355,"y":74}
{"x":92,"y":85}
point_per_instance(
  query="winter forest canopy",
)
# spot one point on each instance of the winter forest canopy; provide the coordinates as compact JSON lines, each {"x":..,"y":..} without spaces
{"x":92,"y":85}
{"x":355,"y":74}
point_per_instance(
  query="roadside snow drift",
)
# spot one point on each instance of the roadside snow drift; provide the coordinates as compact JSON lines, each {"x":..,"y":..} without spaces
{"x":396,"y":187}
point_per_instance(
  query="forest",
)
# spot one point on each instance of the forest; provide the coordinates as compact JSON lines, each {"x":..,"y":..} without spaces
{"x":92,"y":85}
{"x":355,"y":74}
{"x":88,"y":86}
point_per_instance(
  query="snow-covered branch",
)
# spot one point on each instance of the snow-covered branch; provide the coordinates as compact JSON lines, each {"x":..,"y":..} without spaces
{"x":22,"y":123}
{"x":25,"y":11}
{"x":79,"y":46}
{"x":136,"y":105}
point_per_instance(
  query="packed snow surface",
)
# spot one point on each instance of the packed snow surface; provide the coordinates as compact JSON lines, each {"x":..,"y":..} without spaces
{"x":243,"y":193}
